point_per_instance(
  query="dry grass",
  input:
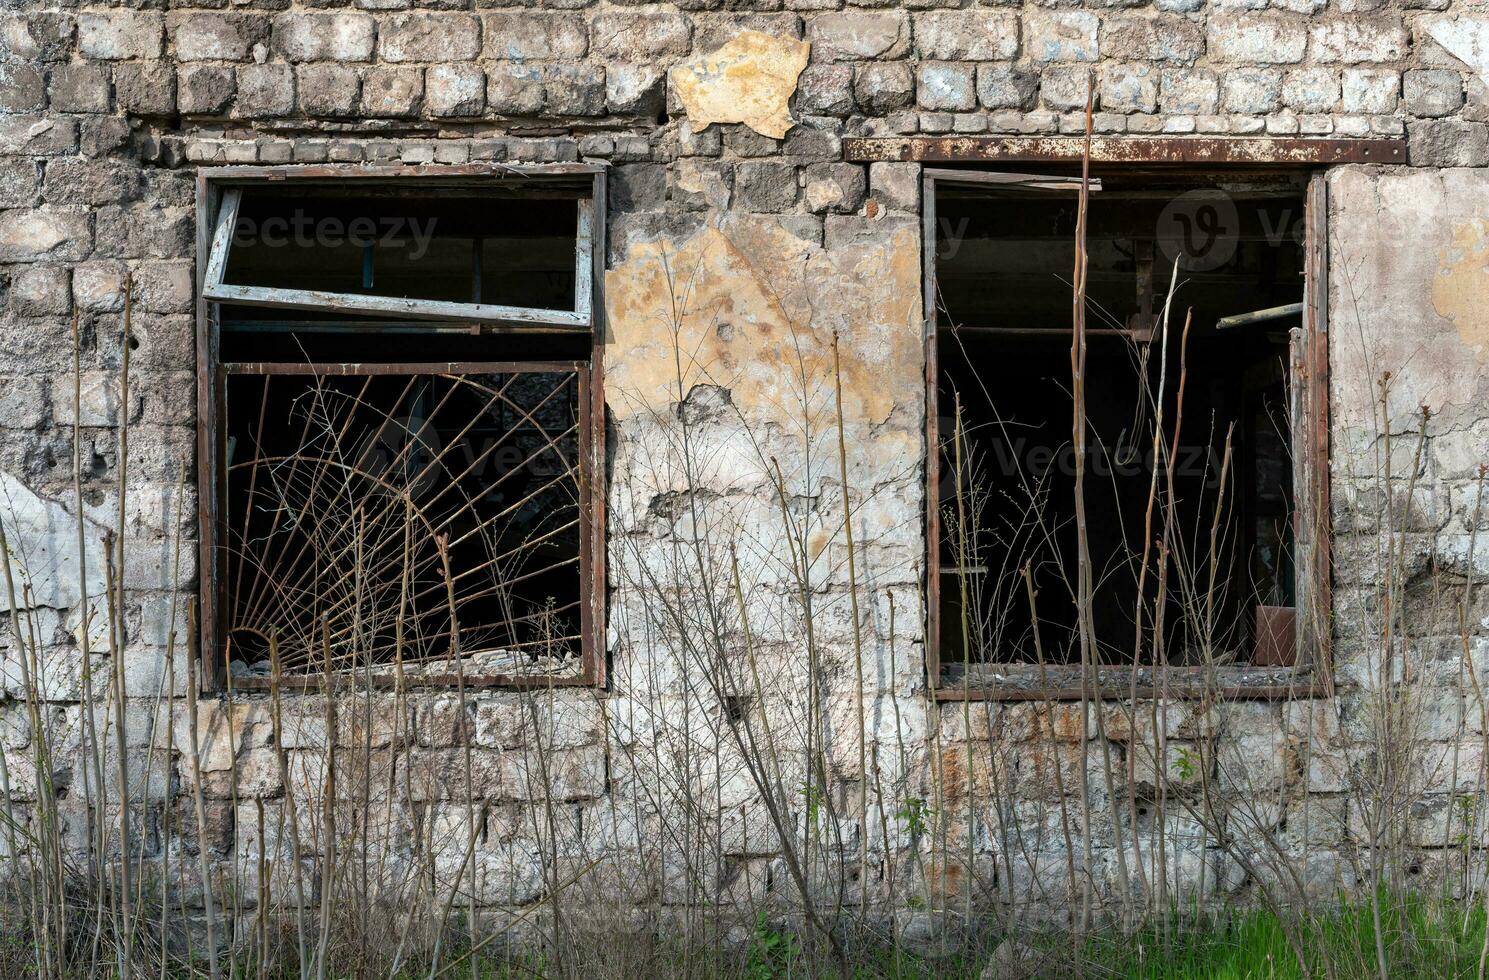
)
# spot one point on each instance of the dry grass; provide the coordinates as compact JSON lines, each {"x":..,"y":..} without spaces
{"x":783,"y":799}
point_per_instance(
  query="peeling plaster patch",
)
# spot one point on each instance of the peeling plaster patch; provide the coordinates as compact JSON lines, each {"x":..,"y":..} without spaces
{"x":756,"y":311}
{"x":1408,"y":263}
{"x":42,"y":537}
{"x":1462,"y":282}
{"x":749,"y":80}
{"x":705,"y":181}
{"x":1465,"y":38}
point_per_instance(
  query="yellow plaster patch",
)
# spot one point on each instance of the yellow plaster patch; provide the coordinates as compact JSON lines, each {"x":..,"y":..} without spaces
{"x":749,"y":80}
{"x":752,"y":308}
{"x":1462,"y":283}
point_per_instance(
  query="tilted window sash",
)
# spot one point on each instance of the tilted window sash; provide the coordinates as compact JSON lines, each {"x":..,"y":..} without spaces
{"x":579,"y":318}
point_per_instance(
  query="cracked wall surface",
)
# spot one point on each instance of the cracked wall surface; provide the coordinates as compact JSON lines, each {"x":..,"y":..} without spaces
{"x":741,"y":243}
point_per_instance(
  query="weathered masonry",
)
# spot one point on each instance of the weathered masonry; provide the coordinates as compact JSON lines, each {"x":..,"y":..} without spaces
{"x":633,"y":445}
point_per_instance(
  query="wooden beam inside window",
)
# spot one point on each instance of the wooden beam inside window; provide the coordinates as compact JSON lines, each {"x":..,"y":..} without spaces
{"x":222,"y":236}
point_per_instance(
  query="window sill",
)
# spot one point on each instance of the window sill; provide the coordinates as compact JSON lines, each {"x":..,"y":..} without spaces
{"x":1026,"y":682}
{"x":384,"y":682}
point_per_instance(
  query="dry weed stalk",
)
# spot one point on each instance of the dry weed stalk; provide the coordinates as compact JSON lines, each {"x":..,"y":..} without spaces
{"x":734,"y":655}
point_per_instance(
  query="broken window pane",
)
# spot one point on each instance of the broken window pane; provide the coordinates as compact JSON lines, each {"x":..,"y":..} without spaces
{"x":459,"y":247}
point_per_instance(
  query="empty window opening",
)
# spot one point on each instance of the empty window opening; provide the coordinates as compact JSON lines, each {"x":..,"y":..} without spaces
{"x":1197,"y":533}
{"x":463,"y":248}
{"x":402,"y":429}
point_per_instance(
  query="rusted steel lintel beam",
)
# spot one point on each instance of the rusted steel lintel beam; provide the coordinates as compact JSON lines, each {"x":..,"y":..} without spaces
{"x":340,"y":171}
{"x":1235,"y":151}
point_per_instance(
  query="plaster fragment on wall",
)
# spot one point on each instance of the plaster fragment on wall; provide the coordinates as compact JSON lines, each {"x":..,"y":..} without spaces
{"x":749,"y":80}
{"x":42,"y":537}
{"x":1408,"y":257}
{"x":1465,"y":38}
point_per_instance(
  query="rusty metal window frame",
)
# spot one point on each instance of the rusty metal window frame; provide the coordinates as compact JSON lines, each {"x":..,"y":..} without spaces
{"x":218,"y":191}
{"x":1313,"y":675}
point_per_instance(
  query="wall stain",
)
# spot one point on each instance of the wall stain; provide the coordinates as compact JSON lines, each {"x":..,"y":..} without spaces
{"x":752,"y":308}
{"x":1462,"y":282}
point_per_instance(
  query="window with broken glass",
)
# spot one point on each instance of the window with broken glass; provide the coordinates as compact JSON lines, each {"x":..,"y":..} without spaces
{"x":1202,"y":391}
{"x":400,"y":427}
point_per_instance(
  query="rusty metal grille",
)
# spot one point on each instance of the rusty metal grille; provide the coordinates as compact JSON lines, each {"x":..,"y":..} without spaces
{"x":406,"y":520}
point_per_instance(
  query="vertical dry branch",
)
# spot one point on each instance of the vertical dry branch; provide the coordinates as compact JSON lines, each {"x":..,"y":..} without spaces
{"x":1160,"y":607}
{"x":550,"y":823}
{"x":816,"y":756}
{"x":50,"y":939}
{"x":1483,"y":706}
{"x":115,"y":587}
{"x":1084,"y":565}
{"x":888,"y":857}
{"x":1029,"y":590}
{"x":123,"y":949}
{"x":170,"y":754}
{"x":9,"y":816}
{"x":1083,"y":560}
{"x":199,"y":803}
{"x":276,"y":687}
{"x":863,"y":774}
{"x":442,"y":544}
{"x":327,"y":846}
{"x":261,"y":877}
{"x":965,"y":561}
{"x":1158,"y":895}
{"x":97,"y":827}
{"x":173,"y":610}
{"x":230,"y":717}
{"x":937,"y":765}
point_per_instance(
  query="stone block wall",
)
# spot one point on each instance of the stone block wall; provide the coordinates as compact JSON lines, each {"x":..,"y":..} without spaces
{"x":739,"y":236}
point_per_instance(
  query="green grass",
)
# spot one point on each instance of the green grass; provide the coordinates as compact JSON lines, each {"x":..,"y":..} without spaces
{"x":1423,"y":938}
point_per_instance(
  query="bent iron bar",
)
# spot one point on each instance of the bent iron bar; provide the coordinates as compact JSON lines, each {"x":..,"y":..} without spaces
{"x":346,"y":476}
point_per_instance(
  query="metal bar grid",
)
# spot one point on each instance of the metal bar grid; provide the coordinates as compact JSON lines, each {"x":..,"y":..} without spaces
{"x":357,"y":483}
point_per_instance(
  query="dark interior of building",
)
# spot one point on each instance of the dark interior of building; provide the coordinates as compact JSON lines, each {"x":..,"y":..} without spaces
{"x":1004,"y":270}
